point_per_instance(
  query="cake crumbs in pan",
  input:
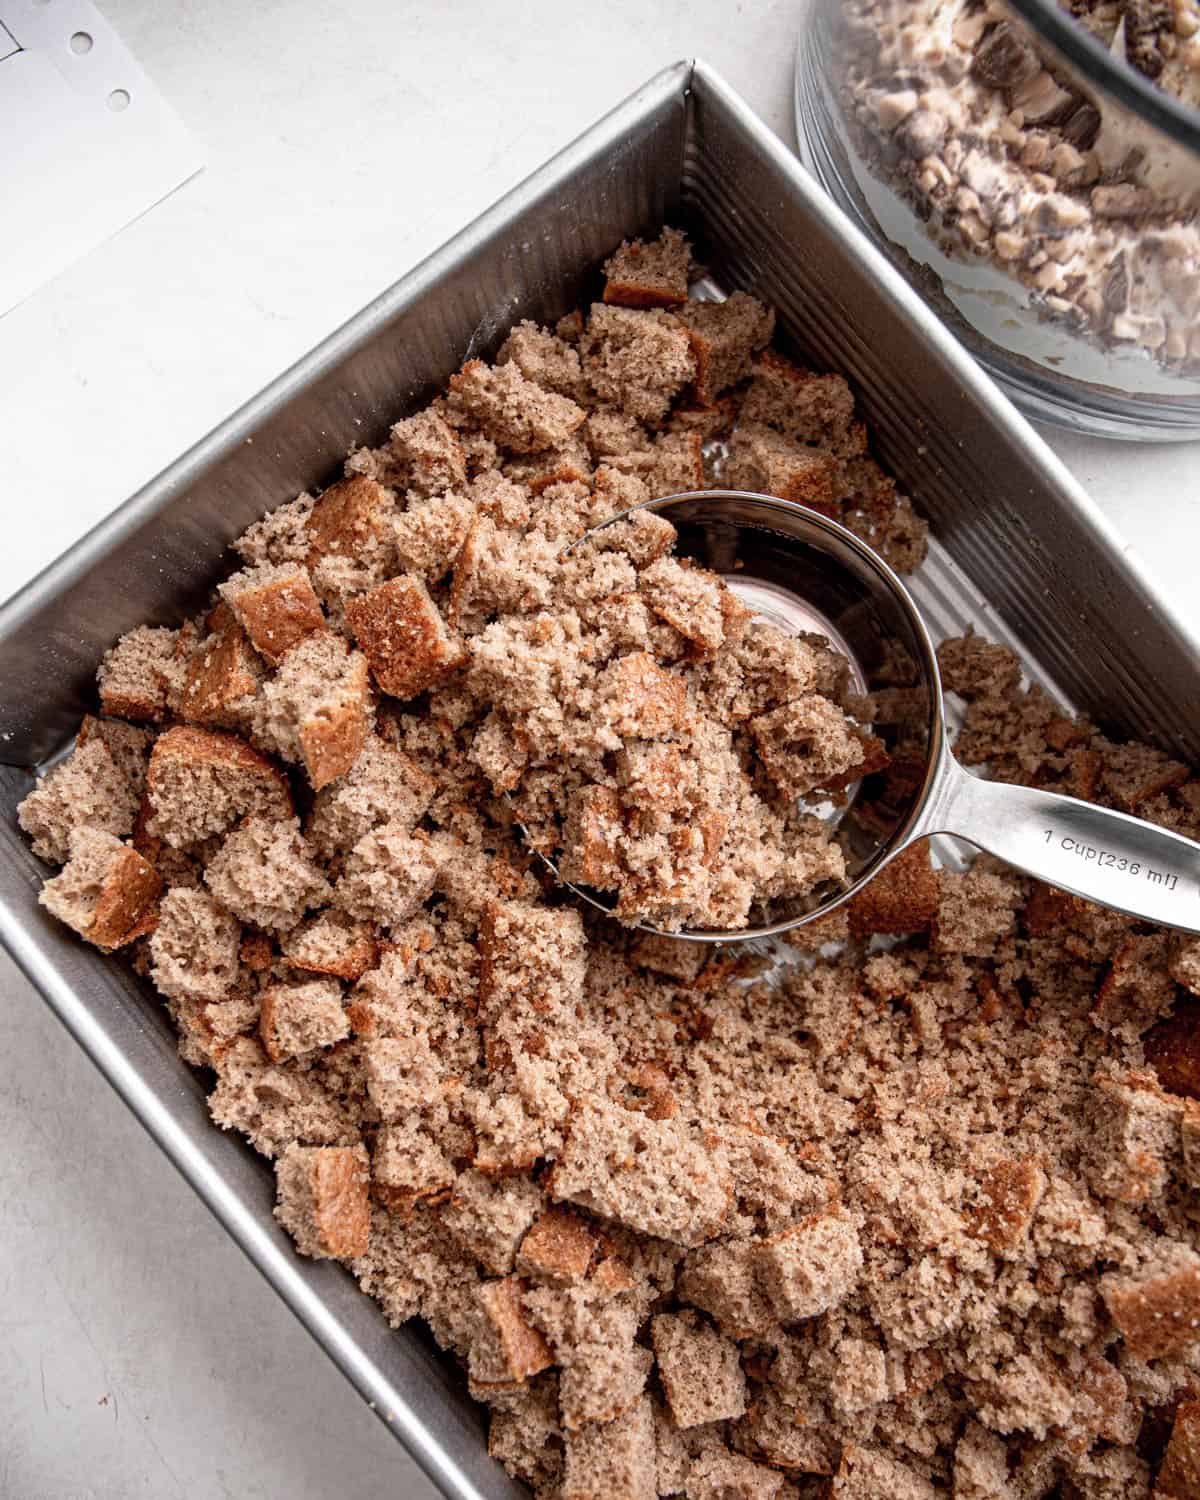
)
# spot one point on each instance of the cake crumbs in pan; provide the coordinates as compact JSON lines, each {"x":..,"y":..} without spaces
{"x":912,"y":1215}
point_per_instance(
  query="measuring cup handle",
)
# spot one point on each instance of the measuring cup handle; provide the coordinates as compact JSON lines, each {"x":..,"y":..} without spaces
{"x":1104,"y":856}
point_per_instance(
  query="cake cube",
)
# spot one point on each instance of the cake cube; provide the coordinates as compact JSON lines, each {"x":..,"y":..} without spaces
{"x":295,"y":1019}
{"x":276,"y":607}
{"x":764,"y":460}
{"x":725,"y":336}
{"x":654,"y":1176}
{"x":508,"y":1350}
{"x":322,"y":1200}
{"x":409,"y":1168}
{"x":350,"y":520}
{"x":810,"y":1268}
{"x":514,"y":412}
{"x":1009,"y":1194}
{"x":805,"y":744}
{"x":612,"y":1460}
{"x":106,"y":891}
{"x":1157,"y":1309}
{"x":134,"y":675}
{"x":201,"y":782}
{"x":332,"y":943}
{"x":638,"y":274}
{"x":403,"y":636}
{"x":638,"y":361}
{"x":317,"y":709}
{"x":700,"y":1370}
{"x":559,"y":1246}
{"x":530,"y":959}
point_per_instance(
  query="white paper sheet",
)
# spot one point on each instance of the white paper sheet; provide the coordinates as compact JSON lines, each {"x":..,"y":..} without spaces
{"x":87,"y":143}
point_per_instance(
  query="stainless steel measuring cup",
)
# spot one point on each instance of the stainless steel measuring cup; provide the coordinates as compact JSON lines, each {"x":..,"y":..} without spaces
{"x":806,"y":573}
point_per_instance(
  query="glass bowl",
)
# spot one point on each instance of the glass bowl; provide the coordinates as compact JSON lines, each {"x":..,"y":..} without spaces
{"x":1040,"y":191}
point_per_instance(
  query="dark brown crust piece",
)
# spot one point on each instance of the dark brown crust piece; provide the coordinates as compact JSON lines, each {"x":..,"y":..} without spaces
{"x":403,"y":636}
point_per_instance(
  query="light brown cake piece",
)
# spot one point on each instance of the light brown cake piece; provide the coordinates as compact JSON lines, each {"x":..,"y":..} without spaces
{"x":128,"y":744}
{"x":613,"y":1460}
{"x":273,"y":1105}
{"x":278,"y":537}
{"x":1134,"y":1136}
{"x":275,"y":605}
{"x":497,"y":572}
{"x":403,"y":636}
{"x":264,"y":874}
{"x":525,"y":1434}
{"x":200,"y":783}
{"x":644,"y":537}
{"x":700,"y":1370}
{"x":194,"y":947}
{"x":90,"y":789}
{"x":531,"y":959}
{"x":488,"y":1217}
{"x":725,"y":336}
{"x":654,"y":274}
{"x":806,"y":744}
{"x":654,"y":1176}
{"x":974,"y":667}
{"x":869,"y":1474}
{"x":1157,"y":1309}
{"x":403,"y":1075}
{"x":806,"y":408}
{"x":425,"y":455}
{"x":1179,"y":1477}
{"x":409,"y":1168}
{"x":1185,"y":964}
{"x":763,"y":460}
{"x":106,"y":891}
{"x":322,"y":1200}
{"x":350,"y":520}
{"x":317,"y":709}
{"x":546,"y":359}
{"x":594,"y":822}
{"x":384,"y":785}
{"x":134,"y":675}
{"x":810,"y":1268}
{"x":672,"y":464}
{"x":332,"y":943}
{"x":1189,"y":1142}
{"x":388,"y":875}
{"x":508,"y":1349}
{"x":603,"y":1377}
{"x":428,"y":536}
{"x":695,"y":602}
{"x":637,"y":361}
{"x":678,"y":959}
{"x":612,"y":433}
{"x":717,"y":1475}
{"x":976,"y":909}
{"x":514,"y":412}
{"x":641,"y":700}
{"x":296,"y":1019}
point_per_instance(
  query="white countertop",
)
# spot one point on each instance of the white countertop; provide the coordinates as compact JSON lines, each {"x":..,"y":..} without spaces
{"x":143,"y":1355}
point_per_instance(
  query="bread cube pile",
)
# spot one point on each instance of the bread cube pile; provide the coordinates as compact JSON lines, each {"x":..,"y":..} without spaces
{"x":913,"y":1216}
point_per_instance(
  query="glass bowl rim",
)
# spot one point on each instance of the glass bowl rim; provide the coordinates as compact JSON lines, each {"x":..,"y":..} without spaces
{"x":1116,"y":77}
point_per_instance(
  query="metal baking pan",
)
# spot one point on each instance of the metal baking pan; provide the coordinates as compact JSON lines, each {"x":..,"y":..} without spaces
{"x":1020,"y":551}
